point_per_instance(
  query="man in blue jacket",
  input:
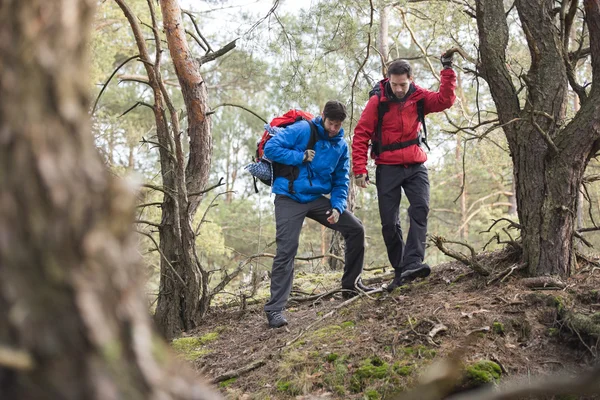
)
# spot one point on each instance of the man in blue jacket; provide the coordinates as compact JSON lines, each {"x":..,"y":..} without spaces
{"x":322,"y":171}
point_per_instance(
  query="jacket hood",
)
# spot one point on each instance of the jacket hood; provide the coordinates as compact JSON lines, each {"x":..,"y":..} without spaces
{"x":318,"y":121}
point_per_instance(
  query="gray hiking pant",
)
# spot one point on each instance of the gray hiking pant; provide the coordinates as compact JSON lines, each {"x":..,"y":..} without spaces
{"x":289,"y":216}
{"x":390,"y":180}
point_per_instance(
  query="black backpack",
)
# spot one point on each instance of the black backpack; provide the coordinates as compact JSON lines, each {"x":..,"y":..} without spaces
{"x":383,"y":108}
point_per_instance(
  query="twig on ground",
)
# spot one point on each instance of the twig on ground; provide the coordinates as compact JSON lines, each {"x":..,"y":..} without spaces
{"x":329,"y":314}
{"x":507,"y":272}
{"x":240,"y":371}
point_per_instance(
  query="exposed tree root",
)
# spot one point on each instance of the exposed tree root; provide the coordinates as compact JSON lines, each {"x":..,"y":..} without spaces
{"x":470,"y":262}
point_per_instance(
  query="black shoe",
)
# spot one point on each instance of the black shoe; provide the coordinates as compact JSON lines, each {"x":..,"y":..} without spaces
{"x":396,"y":283}
{"x":415,"y":271}
{"x":348,"y":293}
{"x":361,"y":286}
{"x":276,"y":319}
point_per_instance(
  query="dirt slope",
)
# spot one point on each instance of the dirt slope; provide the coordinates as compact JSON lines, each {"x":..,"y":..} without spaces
{"x":379,"y":346}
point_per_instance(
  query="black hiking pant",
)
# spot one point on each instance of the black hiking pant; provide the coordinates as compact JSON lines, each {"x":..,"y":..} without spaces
{"x":289,"y":216}
{"x":390,"y":181}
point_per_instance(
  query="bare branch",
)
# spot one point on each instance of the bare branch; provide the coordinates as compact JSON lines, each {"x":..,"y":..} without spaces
{"x":238,"y":106}
{"x":214,"y":55}
{"x":109,"y":78}
{"x":220,"y":183}
{"x":361,"y":65}
{"x":471,"y":262}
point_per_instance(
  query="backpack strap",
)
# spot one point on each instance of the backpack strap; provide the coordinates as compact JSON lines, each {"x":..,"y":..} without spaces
{"x":421,"y":116}
{"x":291,"y":172}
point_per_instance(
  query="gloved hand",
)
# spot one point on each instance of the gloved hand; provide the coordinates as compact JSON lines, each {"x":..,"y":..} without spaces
{"x":308,"y":156}
{"x":447,"y":58}
{"x":361,"y":180}
{"x":334,"y":217}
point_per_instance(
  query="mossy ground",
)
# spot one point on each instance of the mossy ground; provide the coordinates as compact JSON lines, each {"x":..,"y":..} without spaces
{"x":377,"y":347}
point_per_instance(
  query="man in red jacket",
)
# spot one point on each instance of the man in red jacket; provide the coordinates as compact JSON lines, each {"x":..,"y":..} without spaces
{"x":391,"y":124}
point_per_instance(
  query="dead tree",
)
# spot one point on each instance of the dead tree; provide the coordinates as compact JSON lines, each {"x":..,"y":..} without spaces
{"x":73,"y":315}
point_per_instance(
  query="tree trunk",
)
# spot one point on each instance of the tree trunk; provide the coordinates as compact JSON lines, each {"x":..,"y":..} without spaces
{"x":72,"y":309}
{"x":183,"y":294}
{"x":549,"y":156}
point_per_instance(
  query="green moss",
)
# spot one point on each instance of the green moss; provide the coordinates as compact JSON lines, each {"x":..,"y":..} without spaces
{"x":595,"y":318}
{"x":552,"y":332}
{"x":498,"y":328}
{"x":402,"y":370}
{"x":331,"y":357}
{"x":228,"y":382}
{"x":373,"y":368}
{"x":482,"y":372}
{"x":340,"y":389}
{"x":372,"y":394}
{"x":419,"y":351}
{"x":326,"y":331}
{"x":288,"y":387}
{"x":347,"y":324}
{"x":192,"y":347}
{"x":559,"y":303}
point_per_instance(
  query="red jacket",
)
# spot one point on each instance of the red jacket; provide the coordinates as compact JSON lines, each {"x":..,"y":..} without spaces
{"x":400,"y":124}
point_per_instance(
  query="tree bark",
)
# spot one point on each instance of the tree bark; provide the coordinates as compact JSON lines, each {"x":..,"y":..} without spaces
{"x":72,"y":307}
{"x":183,"y":293}
{"x":549,"y":157}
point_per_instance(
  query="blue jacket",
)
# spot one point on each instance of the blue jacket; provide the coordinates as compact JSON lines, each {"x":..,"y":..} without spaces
{"x":328,"y":171}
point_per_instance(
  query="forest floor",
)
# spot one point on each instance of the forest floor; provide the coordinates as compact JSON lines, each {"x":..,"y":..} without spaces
{"x":380,"y":346}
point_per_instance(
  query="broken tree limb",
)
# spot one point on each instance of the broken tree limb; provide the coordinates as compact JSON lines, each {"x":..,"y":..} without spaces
{"x":240,"y":371}
{"x":470,"y":262}
{"x":544,"y":282}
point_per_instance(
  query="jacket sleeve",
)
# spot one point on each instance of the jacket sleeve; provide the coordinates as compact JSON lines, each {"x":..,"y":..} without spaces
{"x":362,"y":134}
{"x":444,"y":98}
{"x":285,"y":147}
{"x":340,"y":182}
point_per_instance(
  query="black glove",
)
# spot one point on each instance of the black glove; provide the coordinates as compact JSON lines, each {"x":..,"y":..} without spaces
{"x":446,"y":59}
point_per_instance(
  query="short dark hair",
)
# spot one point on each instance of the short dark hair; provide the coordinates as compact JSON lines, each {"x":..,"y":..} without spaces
{"x":399,"y":67}
{"x":334,"y":111}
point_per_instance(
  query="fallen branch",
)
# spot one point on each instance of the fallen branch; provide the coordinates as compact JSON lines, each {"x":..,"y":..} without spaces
{"x":303,"y":299}
{"x":544,"y":282}
{"x":507,"y":272}
{"x":240,"y":371}
{"x":469,"y":262}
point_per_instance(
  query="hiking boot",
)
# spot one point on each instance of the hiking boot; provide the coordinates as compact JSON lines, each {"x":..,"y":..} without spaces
{"x":397,"y":282}
{"x":415,"y":271}
{"x":276,"y":319}
{"x":408,"y":275}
